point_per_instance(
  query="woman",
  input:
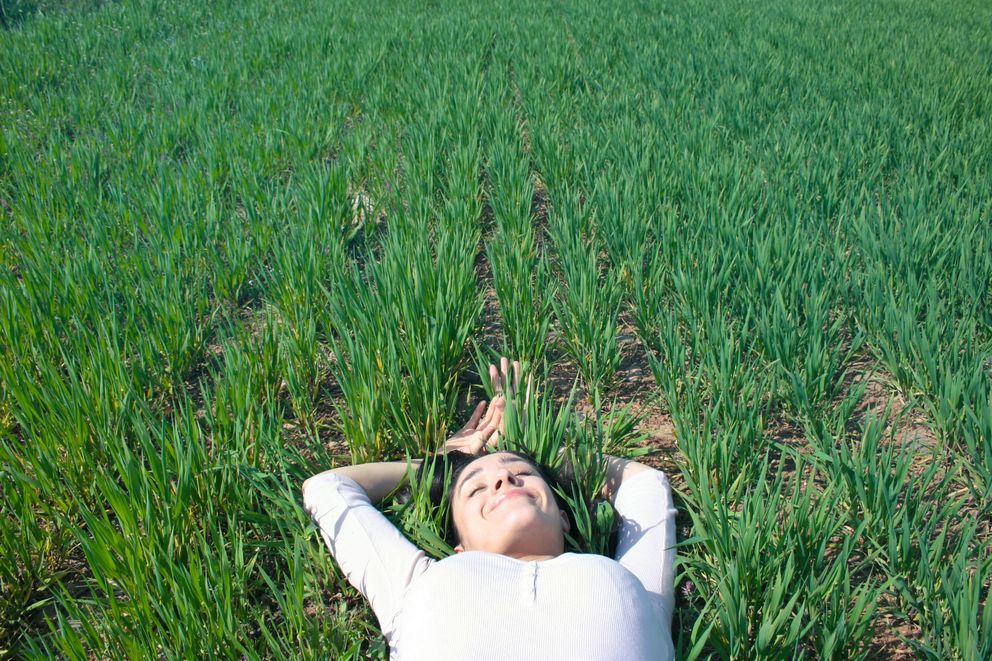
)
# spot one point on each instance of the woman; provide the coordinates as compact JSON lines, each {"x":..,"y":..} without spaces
{"x":511,"y":592}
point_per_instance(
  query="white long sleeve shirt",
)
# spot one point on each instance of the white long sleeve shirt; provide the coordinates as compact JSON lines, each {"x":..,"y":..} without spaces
{"x":482,"y":606}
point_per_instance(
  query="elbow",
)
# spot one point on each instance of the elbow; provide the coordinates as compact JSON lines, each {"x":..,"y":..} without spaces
{"x":315,"y":484}
{"x":307,"y":484}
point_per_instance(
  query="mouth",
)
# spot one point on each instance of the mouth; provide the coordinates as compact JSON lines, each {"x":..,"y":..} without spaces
{"x":503,"y":497}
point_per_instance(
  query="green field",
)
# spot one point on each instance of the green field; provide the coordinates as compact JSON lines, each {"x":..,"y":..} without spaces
{"x":244,"y":241}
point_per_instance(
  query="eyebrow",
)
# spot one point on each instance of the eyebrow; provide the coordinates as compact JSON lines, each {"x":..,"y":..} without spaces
{"x":504,"y":460}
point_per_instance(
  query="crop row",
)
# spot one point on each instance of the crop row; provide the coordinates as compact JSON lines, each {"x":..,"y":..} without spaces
{"x":242,"y":242}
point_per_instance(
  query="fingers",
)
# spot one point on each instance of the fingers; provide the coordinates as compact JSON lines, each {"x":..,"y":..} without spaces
{"x":494,"y":417}
{"x":474,"y":420}
{"x":490,"y":412}
{"x":486,"y":424}
{"x":500,"y":377}
{"x":479,"y":439}
{"x":486,"y":420}
{"x":495,"y":426}
{"x":476,"y":415}
{"x":471,"y":444}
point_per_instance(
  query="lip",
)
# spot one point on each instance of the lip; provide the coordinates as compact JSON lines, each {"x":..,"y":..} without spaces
{"x":503,"y":497}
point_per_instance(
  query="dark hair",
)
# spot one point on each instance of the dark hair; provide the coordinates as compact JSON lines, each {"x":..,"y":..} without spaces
{"x":450,"y":466}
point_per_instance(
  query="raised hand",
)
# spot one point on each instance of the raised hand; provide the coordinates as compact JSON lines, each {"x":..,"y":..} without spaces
{"x":500,"y":378}
{"x":486,"y":424}
{"x":478,"y":431}
{"x":506,"y":388}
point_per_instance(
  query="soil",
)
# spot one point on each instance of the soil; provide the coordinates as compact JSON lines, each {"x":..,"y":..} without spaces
{"x":635,"y":386}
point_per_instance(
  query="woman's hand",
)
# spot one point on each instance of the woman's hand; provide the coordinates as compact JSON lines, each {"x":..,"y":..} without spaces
{"x":486,"y":424}
{"x":480,"y":428}
{"x":505,"y":388}
{"x":500,"y":378}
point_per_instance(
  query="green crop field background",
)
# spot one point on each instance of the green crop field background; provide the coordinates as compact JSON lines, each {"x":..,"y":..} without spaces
{"x":244,"y":241}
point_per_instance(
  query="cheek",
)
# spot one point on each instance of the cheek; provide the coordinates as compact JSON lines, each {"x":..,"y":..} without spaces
{"x":456,"y":517}
{"x":549,"y":497}
{"x":461,"y":520}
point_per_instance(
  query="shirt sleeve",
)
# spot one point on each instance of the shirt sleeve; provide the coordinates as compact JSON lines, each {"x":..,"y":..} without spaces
{"x":374,"y":555}
{"x":646,"y":540}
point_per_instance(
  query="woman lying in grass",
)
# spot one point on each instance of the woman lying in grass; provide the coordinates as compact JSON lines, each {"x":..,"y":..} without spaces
{"x":511,"y":592}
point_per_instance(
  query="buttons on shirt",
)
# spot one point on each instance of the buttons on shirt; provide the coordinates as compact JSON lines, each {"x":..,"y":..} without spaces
{"x":528,"y":583}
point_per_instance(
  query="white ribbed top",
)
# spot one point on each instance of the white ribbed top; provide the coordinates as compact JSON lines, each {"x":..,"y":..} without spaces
{"x":480,"y":606}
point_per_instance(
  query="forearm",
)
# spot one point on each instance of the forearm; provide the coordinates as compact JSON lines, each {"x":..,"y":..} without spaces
{"x":377,"y":479}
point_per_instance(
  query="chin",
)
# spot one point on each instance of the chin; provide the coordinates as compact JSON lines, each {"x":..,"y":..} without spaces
{"x":530,"y":526}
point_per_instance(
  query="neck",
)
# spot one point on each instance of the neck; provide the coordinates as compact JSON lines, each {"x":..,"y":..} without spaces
{"x":533,"y":558}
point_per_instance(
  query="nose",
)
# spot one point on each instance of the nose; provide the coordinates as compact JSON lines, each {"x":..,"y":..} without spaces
{"x":504,"y":479}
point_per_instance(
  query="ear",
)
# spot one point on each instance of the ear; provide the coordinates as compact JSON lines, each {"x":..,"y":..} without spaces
{"x":459,"y":548}
{"x":565,"y":526}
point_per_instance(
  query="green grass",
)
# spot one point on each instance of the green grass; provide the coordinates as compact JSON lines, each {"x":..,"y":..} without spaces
{"x":242,"y":242}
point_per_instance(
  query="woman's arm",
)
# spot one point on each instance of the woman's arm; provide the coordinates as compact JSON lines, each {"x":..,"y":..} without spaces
{"x":646,"y":538}
{"x":380,"y":479}
{"x":373,"y":554}
{"x":617,"y":471}
{"x":377,"y":480}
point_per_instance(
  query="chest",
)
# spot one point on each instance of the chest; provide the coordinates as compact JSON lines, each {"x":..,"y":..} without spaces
{"x":575,"y":606}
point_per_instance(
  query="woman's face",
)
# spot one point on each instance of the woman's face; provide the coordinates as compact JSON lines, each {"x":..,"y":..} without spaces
{"x":501,"y":504}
